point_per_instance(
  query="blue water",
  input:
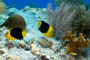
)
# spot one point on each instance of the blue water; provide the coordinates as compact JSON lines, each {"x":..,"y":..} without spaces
{"x":22,"y":3}
{"x":39,"y":3}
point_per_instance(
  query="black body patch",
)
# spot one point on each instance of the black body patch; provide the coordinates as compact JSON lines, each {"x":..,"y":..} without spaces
{"x":16,"y":33}
{"x":44,"y":27}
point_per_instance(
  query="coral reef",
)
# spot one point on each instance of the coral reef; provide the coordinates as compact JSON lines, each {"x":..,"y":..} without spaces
{"x":76,"y":44}
{"x":32,"y":46}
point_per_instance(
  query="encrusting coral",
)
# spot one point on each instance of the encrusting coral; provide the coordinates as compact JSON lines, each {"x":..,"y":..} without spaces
{"x":76,"y":44}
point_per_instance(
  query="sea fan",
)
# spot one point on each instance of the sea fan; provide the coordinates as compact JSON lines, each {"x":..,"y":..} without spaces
{"x":81,"y":22}
{"x":61,"y":18}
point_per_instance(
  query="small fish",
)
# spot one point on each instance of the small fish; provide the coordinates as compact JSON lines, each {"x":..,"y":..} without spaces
{"x":11,"y":6}
{"x":45,"y":29}
{"x":73,"y":53}
{"x":15,"y":33}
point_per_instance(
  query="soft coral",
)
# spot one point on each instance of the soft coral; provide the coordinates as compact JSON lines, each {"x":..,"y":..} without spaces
{"x":75,"y":44}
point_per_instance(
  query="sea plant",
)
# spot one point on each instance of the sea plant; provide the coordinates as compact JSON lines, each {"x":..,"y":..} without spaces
{"x":75,"y":44}
{"x":61,"y":18}
{"x":73,"y":2}
{"x":81,"y":21}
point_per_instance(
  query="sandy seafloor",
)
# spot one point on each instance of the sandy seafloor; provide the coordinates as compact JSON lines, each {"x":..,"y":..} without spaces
{"x":31,"y":17}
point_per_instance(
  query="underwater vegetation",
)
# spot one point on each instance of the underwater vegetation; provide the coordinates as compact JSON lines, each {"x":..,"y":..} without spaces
{"x":75,"y":18}
{"x":81,"y":21}
{"x":72,"y":2}
{"x":66,"y":17}
{"x":69,"y":1}
{"x":61,"y":18}
{"x":68,"y":23}
{"x":75,"y":44}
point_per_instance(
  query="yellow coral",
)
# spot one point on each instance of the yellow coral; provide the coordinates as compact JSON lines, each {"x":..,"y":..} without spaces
{"x":75,"y":43}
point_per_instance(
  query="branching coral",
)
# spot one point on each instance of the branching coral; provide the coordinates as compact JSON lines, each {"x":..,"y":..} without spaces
{"x":61,"y":18}
{"x":76,"y":44}
{"x":81,"y":22}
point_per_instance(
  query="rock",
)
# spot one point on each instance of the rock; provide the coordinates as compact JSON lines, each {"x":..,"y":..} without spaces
{"x":44,"y":42}
{"x":5,"y":54}
{"x":26,"y":8}
{"x":1,"y":58}
{"x":27,"y":48}
{"x":54,"y":57}
{"x":48,"y":57}
{"x":3,"y":51}
{"x":33,"y":45}
{"x":34,"y":49}
{"x":37,"y":53}
{"x":11,"y":57}
{"x":22,"y":44}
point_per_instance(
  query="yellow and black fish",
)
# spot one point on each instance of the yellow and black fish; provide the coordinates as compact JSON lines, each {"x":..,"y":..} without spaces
{"x":45,"y":29}
{"x":15,"y":33}
{"x":17,"y":27}
{"x":73,"y":53}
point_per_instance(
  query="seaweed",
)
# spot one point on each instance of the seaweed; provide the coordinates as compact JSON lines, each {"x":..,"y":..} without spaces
{"x":75,"y":44}
{"x":61,"y":18}
{"x":81,"y":22}
{"x":73,"y":2}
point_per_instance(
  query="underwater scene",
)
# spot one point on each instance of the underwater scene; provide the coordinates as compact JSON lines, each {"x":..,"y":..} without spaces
{"x":44,"y":29}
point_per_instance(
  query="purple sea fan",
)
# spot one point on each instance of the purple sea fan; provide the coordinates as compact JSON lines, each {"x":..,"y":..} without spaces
{"x":61,"y":18}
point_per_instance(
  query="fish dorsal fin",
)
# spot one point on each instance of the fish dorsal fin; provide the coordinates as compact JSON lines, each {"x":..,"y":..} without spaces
{"x":39,"y":23}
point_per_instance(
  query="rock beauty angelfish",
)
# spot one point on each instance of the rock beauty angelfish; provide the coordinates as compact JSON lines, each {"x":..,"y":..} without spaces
{"x":15,"y":33}
{"x":45,"y":29}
